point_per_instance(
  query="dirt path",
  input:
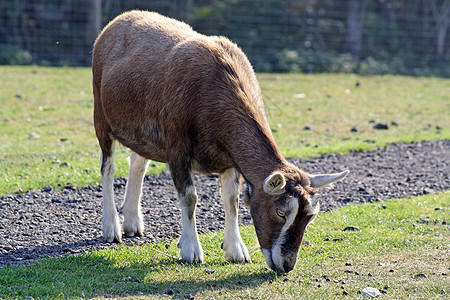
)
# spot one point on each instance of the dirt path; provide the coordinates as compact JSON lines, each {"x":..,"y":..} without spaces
{"x":59,"y":222}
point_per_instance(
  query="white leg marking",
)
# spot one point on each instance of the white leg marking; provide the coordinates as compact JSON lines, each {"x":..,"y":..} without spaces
{"x":234,"y":247}
{"x":189,"y":244}
{"x":277,"y":257}
{"x":110,"y":221}
{"x":133,"y":222}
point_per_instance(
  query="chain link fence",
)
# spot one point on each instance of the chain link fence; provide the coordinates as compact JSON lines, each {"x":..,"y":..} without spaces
{"x":360,"y":36}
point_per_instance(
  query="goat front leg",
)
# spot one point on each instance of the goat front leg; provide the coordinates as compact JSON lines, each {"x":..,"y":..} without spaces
{"x":189,"y":243}
{"x":133,"y":223}
{"x":235,"y":249}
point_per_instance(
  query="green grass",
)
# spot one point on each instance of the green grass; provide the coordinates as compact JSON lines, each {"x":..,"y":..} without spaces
{"x":57,"y":103}
{"x":393,"y":244}
{"x":331,"y":105}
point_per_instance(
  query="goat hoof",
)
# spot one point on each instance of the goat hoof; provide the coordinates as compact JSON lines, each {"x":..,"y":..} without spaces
{"x":114,"y":239}
{"x":133,"y":225}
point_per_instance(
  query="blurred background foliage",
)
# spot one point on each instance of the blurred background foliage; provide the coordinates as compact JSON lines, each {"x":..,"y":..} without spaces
{"x":407,"y":37}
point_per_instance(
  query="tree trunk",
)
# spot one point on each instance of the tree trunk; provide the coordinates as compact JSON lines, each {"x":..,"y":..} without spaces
{"x":353,"y":32}
{"x":94,"y":21}
{"x":442,"y":20}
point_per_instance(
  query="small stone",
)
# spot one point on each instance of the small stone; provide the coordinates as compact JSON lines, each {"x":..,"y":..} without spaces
{"x":128,"y":278}
{"x":370,"y":141}
{"x":424,"y":220}
{"x":344,"y":292}
{"x":391,"y":271}
{"x":18,"y":96}
{"x":370,"y":292}
{"x":393,"y":123}
{"x":438,"y":208}
{"x":307,"y":127}
{"x":357,"y":83}
{"x":210,"y":271}
{"x":169,"y":292}
{"x":427,"y":191}
{"x":383,"y":291}
{"x":438,"y":127}
{"x":369,"y":274}
{"x":348,"y":263}
{"x":306,"y":243}
{"x":354,"y":129}
{"x":420,"y":275}
{"x":351,"y":228}
{"x":300,"y":96}
{"x":47,"y":188}
{"x":33,"y":136}
{"x":381,"y":126}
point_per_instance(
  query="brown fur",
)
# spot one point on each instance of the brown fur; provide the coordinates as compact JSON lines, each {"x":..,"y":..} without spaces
{"x":193,"y":101}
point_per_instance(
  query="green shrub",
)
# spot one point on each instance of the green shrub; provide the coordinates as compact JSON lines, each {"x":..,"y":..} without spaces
{"x":12,"y":55}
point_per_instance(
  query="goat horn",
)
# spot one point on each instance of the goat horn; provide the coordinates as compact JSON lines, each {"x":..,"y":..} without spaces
{"x":322,"y":180}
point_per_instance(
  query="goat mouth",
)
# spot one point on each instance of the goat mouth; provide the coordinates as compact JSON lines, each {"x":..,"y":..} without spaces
{"x":268,"y":256}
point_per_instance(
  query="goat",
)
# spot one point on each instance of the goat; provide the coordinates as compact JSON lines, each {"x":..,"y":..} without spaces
{"x":173,"y":95}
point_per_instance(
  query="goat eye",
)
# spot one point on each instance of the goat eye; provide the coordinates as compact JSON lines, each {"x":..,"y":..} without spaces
{"x":280,"y":213}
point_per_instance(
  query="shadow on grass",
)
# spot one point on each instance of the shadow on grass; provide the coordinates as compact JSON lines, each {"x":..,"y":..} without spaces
{"x":187,"y":279}
{"x":102,"y":274}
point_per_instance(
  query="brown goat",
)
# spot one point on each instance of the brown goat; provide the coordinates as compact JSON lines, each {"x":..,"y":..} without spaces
{"x":173,"y":95}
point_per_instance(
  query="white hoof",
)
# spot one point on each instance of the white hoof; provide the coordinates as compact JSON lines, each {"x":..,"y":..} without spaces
{"x":111,"y":229}
{"x":236,"y":251}
{"x":190,"y":250}
{"x":133,"y":224}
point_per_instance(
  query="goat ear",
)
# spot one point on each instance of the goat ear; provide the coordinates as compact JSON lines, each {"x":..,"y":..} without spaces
{"x":274,"y":184}
{"x":323,"y":180}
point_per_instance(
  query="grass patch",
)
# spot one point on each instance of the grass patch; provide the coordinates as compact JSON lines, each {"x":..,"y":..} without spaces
{"x":47,"y":135}
{"x":397,"y":240}
{"x":332,"y":105}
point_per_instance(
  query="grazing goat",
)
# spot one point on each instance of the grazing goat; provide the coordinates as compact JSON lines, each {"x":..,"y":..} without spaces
{"x":173,"y":95}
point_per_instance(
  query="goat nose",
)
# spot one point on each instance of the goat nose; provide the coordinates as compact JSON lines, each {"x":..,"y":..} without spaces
{"x":288,"y":266}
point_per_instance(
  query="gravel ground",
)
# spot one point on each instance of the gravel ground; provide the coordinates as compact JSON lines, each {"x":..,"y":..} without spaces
{"x":59,"y":222}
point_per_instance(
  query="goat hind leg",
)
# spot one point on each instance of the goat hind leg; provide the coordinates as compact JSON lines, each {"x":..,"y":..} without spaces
{"x":189,"y":243}
{"x":110,"y":221}
{"x":133,"y":223}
